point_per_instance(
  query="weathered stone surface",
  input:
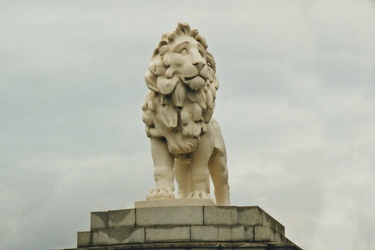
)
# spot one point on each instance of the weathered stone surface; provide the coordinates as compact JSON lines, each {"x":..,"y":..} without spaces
{"x":249,"y":216}
{"x":272,"y":223}
{"x":118,"y":235}
{"x":168,"y":234}
{"x":217,"y":233}
{"x":99,"y":220}
{"x":249,"y":234}
{"x":211,"y":233}
{"x":238,"y":233}
{"x":84,"y":239}
{"x":255,"y":216}
{"x":267,"y":234}
{"x":125,"y":217}
{"x":220,"y":216}
{"x":169,"y":216}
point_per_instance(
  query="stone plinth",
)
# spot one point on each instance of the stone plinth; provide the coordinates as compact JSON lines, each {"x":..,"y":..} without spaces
{"x":184,"y":227}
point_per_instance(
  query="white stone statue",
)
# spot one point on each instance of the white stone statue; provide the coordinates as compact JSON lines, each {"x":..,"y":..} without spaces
{"x":186,"y":143}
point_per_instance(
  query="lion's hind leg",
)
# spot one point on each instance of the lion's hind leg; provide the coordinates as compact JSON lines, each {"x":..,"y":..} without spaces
{"x":217,"y":166}
{"x":219,"y":175}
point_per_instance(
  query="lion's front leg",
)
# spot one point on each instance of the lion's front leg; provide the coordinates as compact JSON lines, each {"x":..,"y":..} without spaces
{"x":163,"y":170}
{"x":182,"y":174}
{"x":199,"y":174}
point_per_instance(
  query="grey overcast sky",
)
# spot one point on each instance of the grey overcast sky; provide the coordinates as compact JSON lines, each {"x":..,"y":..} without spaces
{"x":296,"y":106}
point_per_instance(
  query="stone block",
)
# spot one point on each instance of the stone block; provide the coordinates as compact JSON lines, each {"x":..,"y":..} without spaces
{"x":266,"y":234}
{"x":220,"y":215}
{"x":238,"y":233}
{"x":83,"y":239}
{"x":118,"y":235}
{"x":169,"y":216}
{"x":249,"y":234}
{"x":255,"y":216}
{"x":274,"y":224}
{"x":99,"y":220}
{"x":217,"y":233}
{"x":125,"y":217}
{"x":250,"y":216}
{"x":168,"y":234}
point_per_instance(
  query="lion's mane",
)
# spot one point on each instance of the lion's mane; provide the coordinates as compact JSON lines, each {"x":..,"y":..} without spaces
{"x":172,"y":110}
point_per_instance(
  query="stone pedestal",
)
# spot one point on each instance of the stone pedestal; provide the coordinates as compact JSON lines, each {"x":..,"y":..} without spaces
{"x":184,"y":227}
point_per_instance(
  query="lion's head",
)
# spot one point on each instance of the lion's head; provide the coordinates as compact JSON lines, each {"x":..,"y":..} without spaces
{"x":183,"y":86}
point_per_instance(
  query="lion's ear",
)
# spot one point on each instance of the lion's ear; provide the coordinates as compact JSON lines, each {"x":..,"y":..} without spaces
{"x":200,"y":39}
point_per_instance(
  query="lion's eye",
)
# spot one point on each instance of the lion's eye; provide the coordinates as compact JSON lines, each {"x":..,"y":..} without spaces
{"x":202,"y":53}
{"x":183,"y":51}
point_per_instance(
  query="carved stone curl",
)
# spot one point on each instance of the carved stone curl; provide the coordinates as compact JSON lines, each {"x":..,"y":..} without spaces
{"x":186,"y":143}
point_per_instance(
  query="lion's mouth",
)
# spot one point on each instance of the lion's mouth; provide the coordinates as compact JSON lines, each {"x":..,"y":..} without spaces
{"x":187,"y":79}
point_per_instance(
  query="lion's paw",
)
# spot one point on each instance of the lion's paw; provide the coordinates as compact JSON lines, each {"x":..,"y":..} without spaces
{"x":160,"y":193}
{"x":200,"y":195}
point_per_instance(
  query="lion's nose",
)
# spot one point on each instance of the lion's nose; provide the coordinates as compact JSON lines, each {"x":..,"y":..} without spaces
{"x":199,"y":65}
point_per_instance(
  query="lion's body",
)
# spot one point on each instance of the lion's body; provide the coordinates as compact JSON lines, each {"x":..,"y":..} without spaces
{"x":177,"y":114}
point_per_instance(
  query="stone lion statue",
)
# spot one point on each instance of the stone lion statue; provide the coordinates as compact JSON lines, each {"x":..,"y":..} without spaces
{"x":186,"y":143}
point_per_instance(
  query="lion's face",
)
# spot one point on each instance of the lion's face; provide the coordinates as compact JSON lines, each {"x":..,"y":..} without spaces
{"x":187,"y":61}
